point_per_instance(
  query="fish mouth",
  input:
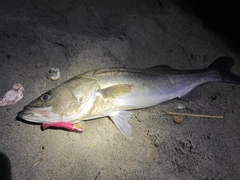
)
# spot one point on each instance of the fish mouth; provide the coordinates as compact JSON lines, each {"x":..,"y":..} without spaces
{"x":38,"y":114}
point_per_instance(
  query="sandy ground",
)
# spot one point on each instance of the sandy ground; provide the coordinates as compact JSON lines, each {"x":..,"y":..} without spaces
{"x":77,"y":36}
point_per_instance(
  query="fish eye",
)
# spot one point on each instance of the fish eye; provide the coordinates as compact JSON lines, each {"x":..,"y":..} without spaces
{"x":45,"y":97}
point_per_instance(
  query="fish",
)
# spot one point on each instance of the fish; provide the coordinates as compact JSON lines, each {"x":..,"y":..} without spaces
{"x":116,"y":92}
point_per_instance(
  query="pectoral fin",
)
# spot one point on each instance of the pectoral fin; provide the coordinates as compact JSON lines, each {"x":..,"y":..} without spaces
{"x":120,"y":119}
{"x":116,"y":90}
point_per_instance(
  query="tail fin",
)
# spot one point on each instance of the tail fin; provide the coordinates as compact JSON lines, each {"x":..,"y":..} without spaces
{"x":224,"y":65}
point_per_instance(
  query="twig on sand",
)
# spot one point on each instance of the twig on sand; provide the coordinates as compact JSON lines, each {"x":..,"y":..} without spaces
{"x":193,"y":115}
{"x":37,"y":162}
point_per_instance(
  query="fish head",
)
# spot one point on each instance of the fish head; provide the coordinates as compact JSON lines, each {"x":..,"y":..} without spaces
{"x":65,"y":103}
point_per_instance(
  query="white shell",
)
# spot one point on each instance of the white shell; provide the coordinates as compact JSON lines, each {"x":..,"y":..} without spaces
{"x":12,"y":96}
{"x":54,"y":74}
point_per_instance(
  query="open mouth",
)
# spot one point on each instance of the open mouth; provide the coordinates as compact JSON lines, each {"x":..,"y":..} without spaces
{"x":36,"y":114}
{"x":48,"y":118}
{"x":44,"y":115}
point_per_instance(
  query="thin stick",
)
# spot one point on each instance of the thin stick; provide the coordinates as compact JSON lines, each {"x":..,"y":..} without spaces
{"x":193,"y":115}
{"x":36,"y":163}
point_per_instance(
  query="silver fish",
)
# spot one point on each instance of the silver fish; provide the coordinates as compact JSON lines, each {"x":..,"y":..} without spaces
{"x":114,"y":92}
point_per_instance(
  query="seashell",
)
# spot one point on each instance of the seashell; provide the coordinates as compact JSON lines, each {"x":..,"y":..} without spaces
{"x":54,"y":74}
{"x":12,"y":96}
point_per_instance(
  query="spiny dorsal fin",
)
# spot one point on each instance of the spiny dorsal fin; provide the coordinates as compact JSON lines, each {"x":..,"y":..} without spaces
{"x":161,"y":67}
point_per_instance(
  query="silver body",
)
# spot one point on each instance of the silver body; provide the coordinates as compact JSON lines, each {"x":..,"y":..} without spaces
{"x":148,"y":87}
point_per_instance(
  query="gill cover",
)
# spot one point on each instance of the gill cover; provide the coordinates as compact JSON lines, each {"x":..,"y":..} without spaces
{"x":69,"y":98}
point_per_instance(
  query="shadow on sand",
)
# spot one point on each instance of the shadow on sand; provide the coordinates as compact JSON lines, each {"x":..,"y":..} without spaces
{"x":5,"y":167}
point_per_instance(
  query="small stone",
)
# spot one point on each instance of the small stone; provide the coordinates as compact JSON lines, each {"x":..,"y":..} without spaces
{"x":178,"y":119}
{"x":43,"y":146}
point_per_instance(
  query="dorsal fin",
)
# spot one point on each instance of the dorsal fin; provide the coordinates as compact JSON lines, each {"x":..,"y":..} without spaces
{"x":161,"y":67}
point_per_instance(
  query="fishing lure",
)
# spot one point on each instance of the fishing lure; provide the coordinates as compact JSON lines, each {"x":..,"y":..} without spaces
{"x":65,"y":125}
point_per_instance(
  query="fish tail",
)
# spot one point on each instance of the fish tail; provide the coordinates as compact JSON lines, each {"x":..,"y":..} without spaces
{"x":224,"y":65}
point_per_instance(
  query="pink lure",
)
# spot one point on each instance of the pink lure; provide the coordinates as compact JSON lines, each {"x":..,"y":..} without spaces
{"x":65,"y":125}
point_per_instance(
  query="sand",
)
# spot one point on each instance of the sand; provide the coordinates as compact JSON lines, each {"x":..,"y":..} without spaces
{"x":78,"y":36}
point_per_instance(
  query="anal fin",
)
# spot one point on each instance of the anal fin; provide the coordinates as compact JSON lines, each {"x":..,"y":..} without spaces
{"x":192,"y":95}
{"x":120,"y":119}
